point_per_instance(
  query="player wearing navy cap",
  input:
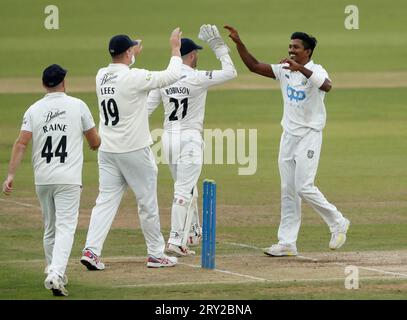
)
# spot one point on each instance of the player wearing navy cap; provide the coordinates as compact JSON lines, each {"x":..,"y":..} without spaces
{"x":125,"y":158}
{"x":56,"y":125}
{"x":184,"y":110}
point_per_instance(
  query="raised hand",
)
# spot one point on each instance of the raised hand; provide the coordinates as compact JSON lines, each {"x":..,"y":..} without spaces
{"x":205,"y":33}
{"x":210,"y":34}
{"x":175,"y":42}
{"x":290,"y":64}
{"x":175,"y":38}
{"x":233,"y":34}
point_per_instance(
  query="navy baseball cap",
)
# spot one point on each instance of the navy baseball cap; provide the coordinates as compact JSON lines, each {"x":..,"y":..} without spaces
{"x":120,"y":43}
{"x":187,"y":45}
{"x":53,"y":75}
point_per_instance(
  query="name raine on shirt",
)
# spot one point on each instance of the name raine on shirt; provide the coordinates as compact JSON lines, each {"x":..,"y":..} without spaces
{"x":54,"y":126}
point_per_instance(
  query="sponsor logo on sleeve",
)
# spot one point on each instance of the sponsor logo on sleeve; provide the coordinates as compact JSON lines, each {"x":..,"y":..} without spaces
{"x":209,"y":74}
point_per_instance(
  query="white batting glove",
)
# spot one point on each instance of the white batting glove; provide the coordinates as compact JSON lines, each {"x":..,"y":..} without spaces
{"x":211,"y":35}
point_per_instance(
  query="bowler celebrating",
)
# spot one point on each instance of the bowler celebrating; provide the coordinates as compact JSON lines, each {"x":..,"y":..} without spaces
{"x":303,"y":85}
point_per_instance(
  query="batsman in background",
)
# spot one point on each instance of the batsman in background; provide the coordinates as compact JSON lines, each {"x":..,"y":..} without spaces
{"x":56,"y":125}
{"x":125,"y":157}
{"x":184,"y":110}
{"x":303,"y":85}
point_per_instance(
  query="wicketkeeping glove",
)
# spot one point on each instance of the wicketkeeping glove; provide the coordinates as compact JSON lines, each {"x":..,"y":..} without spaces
{"x":211,"y":35}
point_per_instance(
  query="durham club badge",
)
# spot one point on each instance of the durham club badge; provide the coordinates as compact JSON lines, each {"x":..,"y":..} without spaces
{"x":310,"y":154}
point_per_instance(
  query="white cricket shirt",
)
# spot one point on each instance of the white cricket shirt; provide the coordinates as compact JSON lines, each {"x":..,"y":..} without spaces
{"x":304,"y":107}
{"x":184,"y":101}
{"x":122,"y":95}
{"x":57,"y":123}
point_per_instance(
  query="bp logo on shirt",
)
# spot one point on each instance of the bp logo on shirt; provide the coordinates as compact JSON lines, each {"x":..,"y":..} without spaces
{"x":296,"y":95}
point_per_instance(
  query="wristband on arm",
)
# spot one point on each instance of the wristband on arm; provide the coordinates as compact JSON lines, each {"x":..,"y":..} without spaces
{"x":317,"y":79}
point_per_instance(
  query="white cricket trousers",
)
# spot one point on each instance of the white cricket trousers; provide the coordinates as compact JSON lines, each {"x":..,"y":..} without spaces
{"x":60,"y":207}
{"x":298,"y":163}
{"x":138,"y":170}
{"x":184,"y":153}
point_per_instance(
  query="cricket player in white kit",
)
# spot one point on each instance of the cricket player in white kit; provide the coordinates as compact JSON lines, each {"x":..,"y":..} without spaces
{"x":184,"y":110}
{"x":125,"y":158}
{"x":56,"y":124}
{"x":303,"y":85}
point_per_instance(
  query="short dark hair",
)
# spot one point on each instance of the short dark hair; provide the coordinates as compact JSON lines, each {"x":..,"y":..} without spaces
{"x":308,"y":41}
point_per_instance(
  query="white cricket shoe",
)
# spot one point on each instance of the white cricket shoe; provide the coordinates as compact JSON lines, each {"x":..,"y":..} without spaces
{"x":338,"y":237}
{"x":164,"y":261}
{"x":55,"y":283}
{"x":91,"y":260}
{"x":179,"y":251}
{"x":64,"y":278}
{"x":281,"y":250}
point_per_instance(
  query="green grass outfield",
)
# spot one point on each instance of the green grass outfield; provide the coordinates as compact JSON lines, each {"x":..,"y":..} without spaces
{"x":362,"y":168}
{"x":362,"y":171}
{"x":86,"y":27}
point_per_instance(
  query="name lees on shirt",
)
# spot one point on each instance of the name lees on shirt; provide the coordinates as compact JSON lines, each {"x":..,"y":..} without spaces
{"x":107,"y":90}
{"x":169,"y":91}
{"x":108,"y":77}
